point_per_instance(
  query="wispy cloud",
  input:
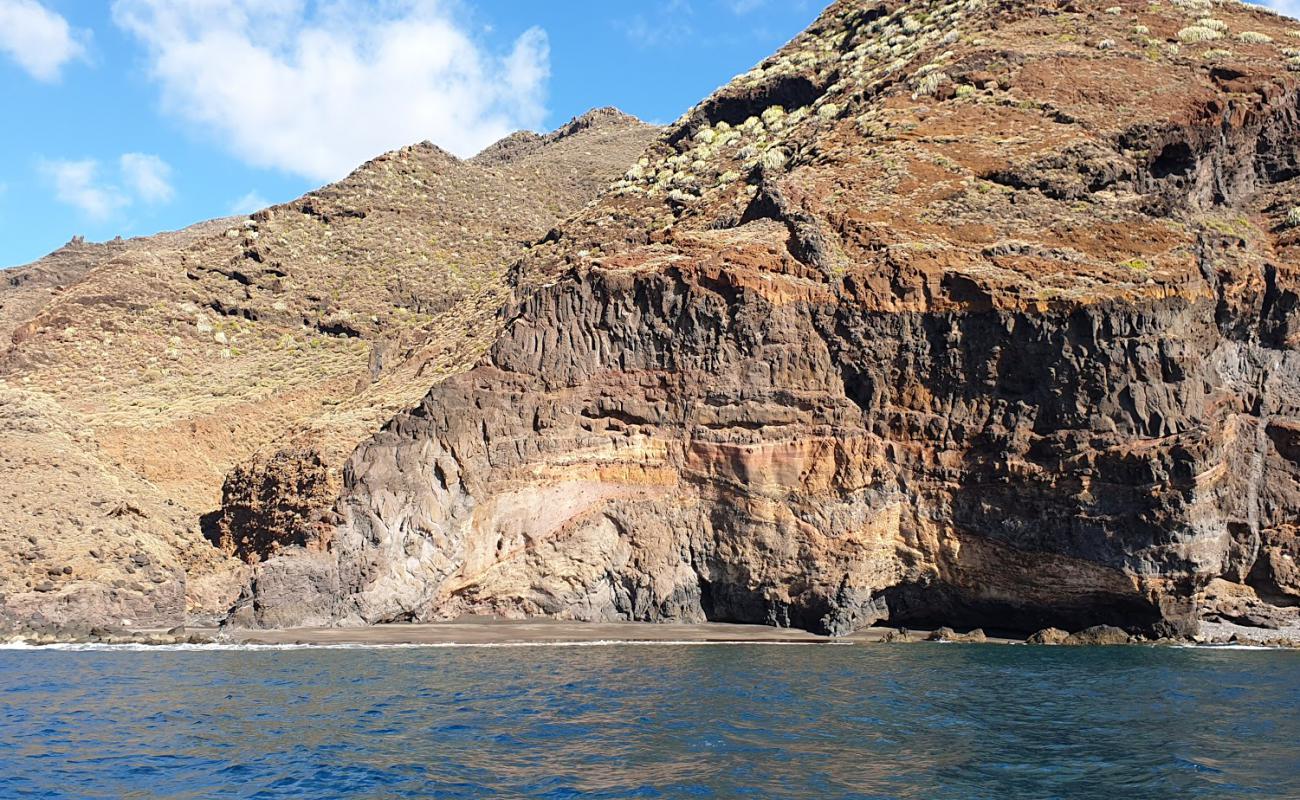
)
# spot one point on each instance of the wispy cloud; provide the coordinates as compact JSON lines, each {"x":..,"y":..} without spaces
{"x":668,"y":24}
{"x":317,"y":89}
{"x":38,"y":39}
{"x":149,"y":177}
{"x":81,"y":183}
{"x":248,"y":204}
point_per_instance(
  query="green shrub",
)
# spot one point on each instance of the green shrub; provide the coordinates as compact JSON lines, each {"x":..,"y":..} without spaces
{"x":773,"y":115}
{"x":1198,"y":33}
{"x":930,"y":83}
{"x":774,"y":158}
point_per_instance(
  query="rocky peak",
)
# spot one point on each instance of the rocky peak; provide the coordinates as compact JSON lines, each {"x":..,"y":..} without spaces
{"x":521,"y":144}
{"x":511,"y":148}
{"x":604,"y":117}
{"x":872,"y":85}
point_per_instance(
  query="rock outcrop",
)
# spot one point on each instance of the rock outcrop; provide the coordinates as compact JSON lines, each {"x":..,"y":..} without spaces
{"x":276,"y":500}
{"x":946,"y":634}
{"x":1049,"y":636}
{"x":966,"y":313}
{"x":1097,"y":635}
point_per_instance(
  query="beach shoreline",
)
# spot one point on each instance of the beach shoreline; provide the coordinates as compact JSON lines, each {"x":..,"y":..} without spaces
{"x":496,"y":631}
{"x":485,"y":631}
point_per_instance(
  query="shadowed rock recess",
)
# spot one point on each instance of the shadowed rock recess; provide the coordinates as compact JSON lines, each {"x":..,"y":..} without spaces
{"x":957,"y":313}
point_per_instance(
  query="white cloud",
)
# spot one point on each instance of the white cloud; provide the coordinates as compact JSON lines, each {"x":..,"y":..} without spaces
{"x":77,"y":183}
{"x":38,"y":39}
{"x":317,"y":89}
{"x":249,"y":203}
{"x":665,"y":26}
{"x":149,"y":177}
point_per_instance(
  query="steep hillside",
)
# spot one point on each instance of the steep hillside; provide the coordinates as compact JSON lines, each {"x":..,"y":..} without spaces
{"x":134,"y":375}
{"x":949,"y":312}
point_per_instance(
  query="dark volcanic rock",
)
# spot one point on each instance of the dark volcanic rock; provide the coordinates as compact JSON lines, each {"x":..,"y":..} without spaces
{"x":274,"y":501}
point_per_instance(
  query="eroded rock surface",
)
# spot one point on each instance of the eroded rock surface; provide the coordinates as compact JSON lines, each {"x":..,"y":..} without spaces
{"x":276,"y":500}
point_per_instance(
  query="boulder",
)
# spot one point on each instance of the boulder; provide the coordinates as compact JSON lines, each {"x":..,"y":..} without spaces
{"x":1049,"y":636}
{"x":1098,"y":635}
{"x":947,"y":634}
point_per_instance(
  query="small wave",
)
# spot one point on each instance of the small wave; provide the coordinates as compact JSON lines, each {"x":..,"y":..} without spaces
{"x":1228,"y":647}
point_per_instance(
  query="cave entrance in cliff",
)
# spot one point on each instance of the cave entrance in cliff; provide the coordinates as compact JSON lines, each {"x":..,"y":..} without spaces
{"x":933,"y":606}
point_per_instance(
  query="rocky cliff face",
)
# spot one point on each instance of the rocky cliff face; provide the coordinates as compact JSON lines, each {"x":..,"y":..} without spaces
{"x":950,"y":312}
{"x":136,"y":374}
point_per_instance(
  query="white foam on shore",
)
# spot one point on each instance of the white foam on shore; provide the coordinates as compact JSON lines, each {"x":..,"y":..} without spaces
{"x":1229,"y":647}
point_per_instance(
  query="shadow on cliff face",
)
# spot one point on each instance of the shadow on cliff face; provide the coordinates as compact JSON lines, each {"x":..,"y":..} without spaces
{"x":937,"y":605}
{"x":1041,"y":476}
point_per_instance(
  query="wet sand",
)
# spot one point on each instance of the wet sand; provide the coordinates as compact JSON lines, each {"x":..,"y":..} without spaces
{"x":489,"y":631}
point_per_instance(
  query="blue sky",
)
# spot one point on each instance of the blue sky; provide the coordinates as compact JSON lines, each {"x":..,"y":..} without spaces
{"x":134,"y":116}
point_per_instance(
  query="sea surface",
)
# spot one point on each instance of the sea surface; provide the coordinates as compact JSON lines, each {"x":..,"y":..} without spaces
{"x":715,"y":721}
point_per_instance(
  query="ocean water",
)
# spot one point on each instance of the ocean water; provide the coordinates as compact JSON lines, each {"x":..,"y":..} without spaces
{"x":713,"y":721}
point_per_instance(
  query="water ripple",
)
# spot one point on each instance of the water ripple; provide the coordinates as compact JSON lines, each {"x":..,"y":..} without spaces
{"x":969,"y":723}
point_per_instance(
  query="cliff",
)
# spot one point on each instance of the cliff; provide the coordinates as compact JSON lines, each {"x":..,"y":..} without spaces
{"x":964,"y":313}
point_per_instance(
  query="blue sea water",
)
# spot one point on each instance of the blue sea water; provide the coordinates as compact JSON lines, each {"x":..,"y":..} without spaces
{"x":711,"y":721}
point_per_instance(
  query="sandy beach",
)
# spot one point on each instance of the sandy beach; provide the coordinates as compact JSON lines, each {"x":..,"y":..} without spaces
{"x":487,"y":630}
